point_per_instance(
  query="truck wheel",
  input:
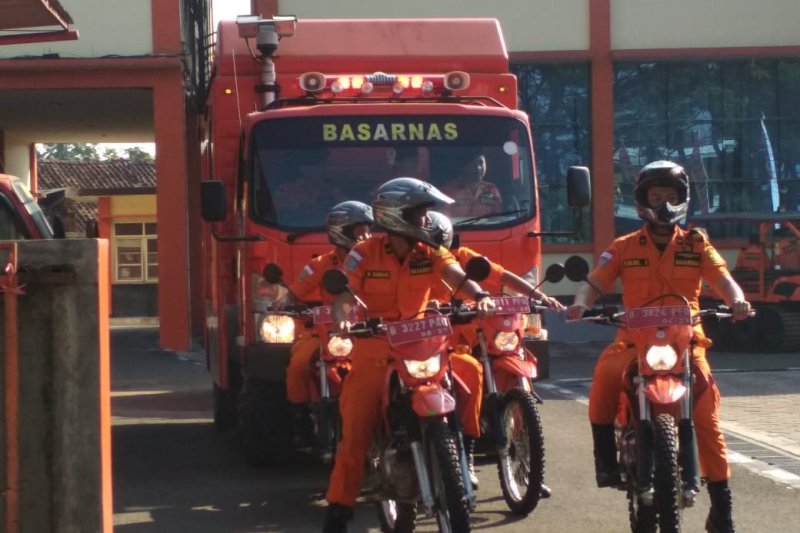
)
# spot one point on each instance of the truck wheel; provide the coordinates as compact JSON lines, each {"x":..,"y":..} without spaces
{"x":224,"y":408}
{"x":265,"y":423}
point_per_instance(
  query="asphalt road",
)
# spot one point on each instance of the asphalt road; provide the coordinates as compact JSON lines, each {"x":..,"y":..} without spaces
{"x":174,"y":473}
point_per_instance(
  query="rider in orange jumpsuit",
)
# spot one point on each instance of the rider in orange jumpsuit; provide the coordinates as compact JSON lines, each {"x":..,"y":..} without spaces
{"x":465,"y":336}
{"x":393,"y":275}
{"x":347,"y":223}
{"x":661,"y":258}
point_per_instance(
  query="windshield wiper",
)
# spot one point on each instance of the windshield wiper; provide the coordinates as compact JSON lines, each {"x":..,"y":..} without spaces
{"x":470,"y":220}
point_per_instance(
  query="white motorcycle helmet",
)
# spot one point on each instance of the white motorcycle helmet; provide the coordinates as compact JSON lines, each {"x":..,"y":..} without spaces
{"x":394,"y":201}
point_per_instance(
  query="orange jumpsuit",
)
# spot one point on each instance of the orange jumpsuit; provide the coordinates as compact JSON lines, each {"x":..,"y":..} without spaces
{"x":307,"y":285}
{"x":485,"y":199}
{"x":391,"y":290}
{"x":646,"y":273}
{"x":467,"y":367}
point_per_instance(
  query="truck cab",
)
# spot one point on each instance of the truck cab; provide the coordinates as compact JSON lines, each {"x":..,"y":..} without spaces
{"x":20,"y":215}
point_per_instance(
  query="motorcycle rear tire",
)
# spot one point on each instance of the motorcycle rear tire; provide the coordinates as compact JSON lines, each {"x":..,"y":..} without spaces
{"x":451,"y":505}
{"x":666,"y":479}
{"x":522,"y":487}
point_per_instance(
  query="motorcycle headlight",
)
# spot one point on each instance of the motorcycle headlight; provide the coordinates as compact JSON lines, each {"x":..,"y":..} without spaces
{"x":424,"y":369}
{"x":340,"y":346}
{"x":506,"y":341}
{"x":276,"y":329}
{"x":661,"y":357}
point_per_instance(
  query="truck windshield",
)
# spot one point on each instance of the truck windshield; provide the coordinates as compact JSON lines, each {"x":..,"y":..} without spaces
{"x":301,"y":167}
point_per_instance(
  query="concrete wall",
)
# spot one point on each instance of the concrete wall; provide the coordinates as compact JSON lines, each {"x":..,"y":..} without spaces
{"x":63,"y":407}
{"x":106,"y":28}
{"x":545,"y":25}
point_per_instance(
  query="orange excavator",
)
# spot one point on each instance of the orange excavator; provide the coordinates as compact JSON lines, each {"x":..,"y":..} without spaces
{"x":768,"y":270}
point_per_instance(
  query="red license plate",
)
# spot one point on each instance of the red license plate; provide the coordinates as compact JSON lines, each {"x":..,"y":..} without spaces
{"x":658,"y":317}
{"x":324,"y":314}
{"x":511,"y":305}
{"x":416,"y":330}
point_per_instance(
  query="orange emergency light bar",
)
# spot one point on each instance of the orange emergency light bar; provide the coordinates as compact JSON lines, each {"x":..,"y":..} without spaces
{"x":381,"y":82}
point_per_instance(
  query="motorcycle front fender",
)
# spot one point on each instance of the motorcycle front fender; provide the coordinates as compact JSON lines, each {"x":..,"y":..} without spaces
{"x":517,"y":367}
{"x":664,"y":389}
{"x":432,"y":400}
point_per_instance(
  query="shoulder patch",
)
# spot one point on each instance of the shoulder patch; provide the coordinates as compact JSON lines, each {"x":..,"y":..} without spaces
{"x":352,"y":261}
{"x":605,"y":258}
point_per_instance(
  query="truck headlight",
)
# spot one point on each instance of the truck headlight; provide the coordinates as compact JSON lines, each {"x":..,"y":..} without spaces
{"x":661,"y":357}
{"x":424,"y":369}
{"x":276,"y":329}
{"x":506,"y":341}
{"x":340,"y":346}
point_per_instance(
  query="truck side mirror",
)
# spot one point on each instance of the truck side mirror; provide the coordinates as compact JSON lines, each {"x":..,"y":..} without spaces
{"x":212,"y":200}
{"x":579,"y":187}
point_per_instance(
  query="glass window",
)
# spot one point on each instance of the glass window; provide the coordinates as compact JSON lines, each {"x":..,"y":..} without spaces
{"x":733,"y":124}
{"x":557,"y":99}
{"x":482,"y":161}
{"x":9,"y":227}
{"x":135,"y":252}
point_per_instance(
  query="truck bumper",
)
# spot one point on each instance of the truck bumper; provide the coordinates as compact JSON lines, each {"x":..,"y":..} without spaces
{"x":267,"y":362}
{"x":541,"y":349}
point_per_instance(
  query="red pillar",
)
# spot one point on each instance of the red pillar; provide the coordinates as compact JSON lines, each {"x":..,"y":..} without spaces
{"x":172,"y":211}
{"x":602,"y":123}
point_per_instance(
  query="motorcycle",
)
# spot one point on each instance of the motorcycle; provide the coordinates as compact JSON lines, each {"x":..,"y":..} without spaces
{"x":416,"y":457}
{"x":329,"y":366}
{"x":510,"y":413}
{"x":655,"y":433}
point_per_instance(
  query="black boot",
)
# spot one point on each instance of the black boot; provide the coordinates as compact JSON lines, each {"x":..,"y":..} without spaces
{"x":301,"y":427}
{"x":336,"y":518}
{"x":605,"y":456}
{"x":469,"y":451}
{"x":720,"y":517}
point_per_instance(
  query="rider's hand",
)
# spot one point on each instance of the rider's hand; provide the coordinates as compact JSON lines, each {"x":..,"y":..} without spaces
{"x":553,"y":304}
{"x":740,"y":309}
{"x":484,"y":306}
{"x":575,"y":311}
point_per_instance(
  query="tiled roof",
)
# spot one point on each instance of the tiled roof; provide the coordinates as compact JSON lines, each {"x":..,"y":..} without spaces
{"x":96,"y":176}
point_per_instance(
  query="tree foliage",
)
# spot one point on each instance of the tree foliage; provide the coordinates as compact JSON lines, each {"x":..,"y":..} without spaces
{"x":69,"y":152}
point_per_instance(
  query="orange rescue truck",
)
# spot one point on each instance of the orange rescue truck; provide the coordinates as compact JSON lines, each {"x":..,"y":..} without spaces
{"x":303,"y":114}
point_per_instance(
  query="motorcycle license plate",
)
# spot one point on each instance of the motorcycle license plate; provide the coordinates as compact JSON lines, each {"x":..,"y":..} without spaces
{"x":511,"y":305}
{"x":416,"y":330}
{"x":324,"y":314}
{"x":659,"y":317}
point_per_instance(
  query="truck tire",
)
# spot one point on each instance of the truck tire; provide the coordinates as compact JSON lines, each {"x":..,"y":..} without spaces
{"x":265,"y":423}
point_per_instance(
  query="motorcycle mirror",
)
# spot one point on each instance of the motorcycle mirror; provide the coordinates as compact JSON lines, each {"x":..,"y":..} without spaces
{"x":478,"y":268}
{"x":576,"y":268}
{"x":554,"y":273}
{"x":272,"y":273}
{"x":334,"y":281}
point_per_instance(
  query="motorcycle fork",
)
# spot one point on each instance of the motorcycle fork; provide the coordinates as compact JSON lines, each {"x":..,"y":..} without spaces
{"x":496,"y":423}
{"x":687,"y":449}
{"x":644,"y":442}
{"x":323,"y":417}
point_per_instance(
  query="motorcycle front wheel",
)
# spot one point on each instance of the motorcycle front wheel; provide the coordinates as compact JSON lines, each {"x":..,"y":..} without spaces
{"x":666,"y":479}
{"x":451,"y":506}
{"x":521,"y":465}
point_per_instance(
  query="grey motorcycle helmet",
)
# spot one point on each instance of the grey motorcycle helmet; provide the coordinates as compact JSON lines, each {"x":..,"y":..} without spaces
{"x":341,"y":219}
{"x":394,"y":201}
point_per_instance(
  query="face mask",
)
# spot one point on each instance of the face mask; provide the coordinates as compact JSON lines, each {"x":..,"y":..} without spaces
{"x":667,"y":213}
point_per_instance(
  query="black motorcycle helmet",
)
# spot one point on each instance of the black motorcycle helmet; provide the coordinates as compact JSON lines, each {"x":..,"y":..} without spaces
{"x":663,"y":174}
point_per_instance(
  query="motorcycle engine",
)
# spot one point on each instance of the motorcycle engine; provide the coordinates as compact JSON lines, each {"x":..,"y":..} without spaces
{"x":398,"y":475}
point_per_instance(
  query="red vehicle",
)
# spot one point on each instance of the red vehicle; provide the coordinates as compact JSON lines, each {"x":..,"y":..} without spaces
{"x":305,"y":114}
{"x":417,"y":457}
{"x":20,"y":215}
{"x":655,"y":433}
